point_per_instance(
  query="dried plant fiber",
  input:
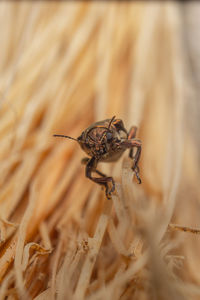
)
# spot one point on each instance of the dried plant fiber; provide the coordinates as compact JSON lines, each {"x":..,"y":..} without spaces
{"x":63,"y":66}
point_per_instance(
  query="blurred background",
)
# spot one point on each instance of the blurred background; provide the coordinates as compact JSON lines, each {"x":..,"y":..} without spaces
{"x":63,"y":66}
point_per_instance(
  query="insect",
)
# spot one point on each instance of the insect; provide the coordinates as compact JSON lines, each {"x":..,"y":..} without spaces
{"x":105,"y":141}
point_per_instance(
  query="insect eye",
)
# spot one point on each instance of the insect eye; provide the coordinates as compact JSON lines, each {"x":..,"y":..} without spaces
{"x":109,"y":136}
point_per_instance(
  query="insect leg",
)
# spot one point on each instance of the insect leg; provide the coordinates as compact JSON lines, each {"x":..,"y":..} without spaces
{"x":85,"y":160}
{"x":91,"y":167}
{"x":132,"y":135}
{"x":134,"y":143}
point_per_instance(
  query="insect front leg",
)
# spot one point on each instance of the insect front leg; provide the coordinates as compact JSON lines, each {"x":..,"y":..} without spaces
{"x":104,"y":180}
{"x":134,"y":143}
{"x":85,"y":160}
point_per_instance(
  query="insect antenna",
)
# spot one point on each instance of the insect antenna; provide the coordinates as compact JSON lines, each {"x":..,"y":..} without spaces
{"x":111,"y":121}
{"x":64,"y":136}
{"x":107,"y":128}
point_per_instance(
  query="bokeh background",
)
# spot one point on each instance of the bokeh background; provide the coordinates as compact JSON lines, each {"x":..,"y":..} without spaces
{"x":63,"y":66}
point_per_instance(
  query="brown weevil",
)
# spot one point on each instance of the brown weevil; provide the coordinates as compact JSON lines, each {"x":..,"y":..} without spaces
{"x":105,"y":141}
